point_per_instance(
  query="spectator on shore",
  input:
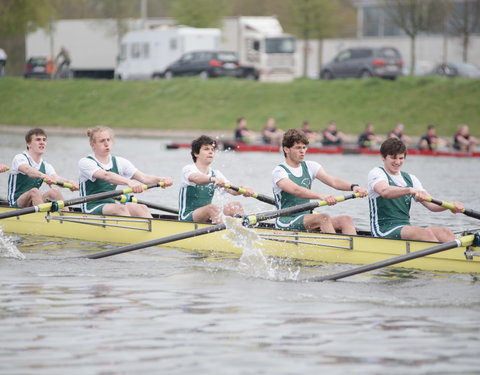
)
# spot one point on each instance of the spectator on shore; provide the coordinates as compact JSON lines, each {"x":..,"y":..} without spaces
{"x":242,"y":134}
{"x":368,"y":137}
{"x":271,"y":134}
{"x":463,"y":141}
{"x":3,"y":62}
{"x":431,"y":141}
{"x":332,"y":136}
{"x":397,"y":132}
{"x":312,"y":135}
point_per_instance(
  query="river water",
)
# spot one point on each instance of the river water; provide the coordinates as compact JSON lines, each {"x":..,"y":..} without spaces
{"x":166,"y":311}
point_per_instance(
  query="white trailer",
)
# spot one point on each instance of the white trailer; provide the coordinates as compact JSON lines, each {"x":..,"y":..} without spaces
{"x":144,"y":54}
{"x":92,"y":45}
{"x":261,"y":43}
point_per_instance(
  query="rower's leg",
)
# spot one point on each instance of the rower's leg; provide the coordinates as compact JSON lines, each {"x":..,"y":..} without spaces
{"x":321,"y":222}
{"x":344,"y":224}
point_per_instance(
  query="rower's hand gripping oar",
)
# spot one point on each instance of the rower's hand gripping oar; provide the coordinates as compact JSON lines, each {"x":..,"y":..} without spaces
{"x":65,"y":185}
{"x":450,"y":206}
{"x":57,"y":205}
{"x":260,"y":197}
{"x":248,"y":220}
{"x":471,"y":239}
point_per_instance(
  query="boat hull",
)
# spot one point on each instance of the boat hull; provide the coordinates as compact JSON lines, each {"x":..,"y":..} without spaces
{"x":302,"y":246}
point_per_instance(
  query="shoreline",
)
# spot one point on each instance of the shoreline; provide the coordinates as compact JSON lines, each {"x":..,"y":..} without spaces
{"x":176,"y":134}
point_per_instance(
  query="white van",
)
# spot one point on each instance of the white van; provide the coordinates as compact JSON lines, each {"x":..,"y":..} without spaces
{"x":144,"y":54}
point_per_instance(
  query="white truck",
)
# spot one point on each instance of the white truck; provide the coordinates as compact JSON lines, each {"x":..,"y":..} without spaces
{"x":261,"y":43}
{"x":144,"y":54}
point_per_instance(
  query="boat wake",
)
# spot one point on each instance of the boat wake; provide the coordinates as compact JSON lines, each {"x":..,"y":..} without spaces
{"x":252,"y":261}
{"x":7,"y":248}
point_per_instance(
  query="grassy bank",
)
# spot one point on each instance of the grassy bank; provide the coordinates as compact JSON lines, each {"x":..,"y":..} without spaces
{"x":192,"y":103}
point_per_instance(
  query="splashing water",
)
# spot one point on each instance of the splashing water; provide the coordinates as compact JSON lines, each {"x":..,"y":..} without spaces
{"x":7,"y":248}
{"x":252,"y":261}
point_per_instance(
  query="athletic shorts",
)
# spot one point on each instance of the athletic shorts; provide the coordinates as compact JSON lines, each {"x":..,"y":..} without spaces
{"x":391,"y":232}
{"x":188,"y":217}
{"x":290,"y":222}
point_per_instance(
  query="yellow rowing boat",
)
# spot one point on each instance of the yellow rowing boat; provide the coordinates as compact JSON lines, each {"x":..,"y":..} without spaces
{"x":303,"y":246}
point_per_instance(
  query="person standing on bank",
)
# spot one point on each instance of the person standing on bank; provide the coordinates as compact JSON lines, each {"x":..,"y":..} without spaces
{"x":29,"y":171}
{"x":292,"y":182}
{"x":199,"y":181}
{"x":101,"y":172}
{"x":390,"y":195}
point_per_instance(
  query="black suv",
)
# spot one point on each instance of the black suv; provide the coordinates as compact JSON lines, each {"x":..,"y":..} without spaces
{"x":208,"y":64}
{"x":364,"y":62}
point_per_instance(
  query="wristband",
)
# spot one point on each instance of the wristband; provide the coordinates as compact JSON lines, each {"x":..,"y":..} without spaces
{"x":352,"y":186}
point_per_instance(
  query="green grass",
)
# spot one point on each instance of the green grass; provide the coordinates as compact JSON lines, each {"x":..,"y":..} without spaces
{"x":191,"y":103}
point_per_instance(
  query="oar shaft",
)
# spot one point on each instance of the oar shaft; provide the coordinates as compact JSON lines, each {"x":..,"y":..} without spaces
{"x":450,"y":206}
{"x":158,"y":206}
{"x":463,"y":241}
{"x":260,"y":197}
{"x":159,"y":241}
{"x":253,"y":219}
{"x":45,"y":207}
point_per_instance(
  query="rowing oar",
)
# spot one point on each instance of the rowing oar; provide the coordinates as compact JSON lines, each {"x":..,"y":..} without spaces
{"x":57,"y":205}
{"x":260,"y":197}
{"x":132,"y":199}
{"x":459,"y":242}
{"x":450,"y":206}
{"x":248,"y":220}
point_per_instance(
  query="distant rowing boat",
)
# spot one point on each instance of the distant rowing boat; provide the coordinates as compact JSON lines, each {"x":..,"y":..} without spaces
{"x":258,"y":147}
{"x":301,"y":246}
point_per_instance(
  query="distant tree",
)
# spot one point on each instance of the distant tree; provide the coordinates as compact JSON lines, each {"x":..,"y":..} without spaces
{"x":413,"y":17}
{"x":464,"y":21}
{"x":17,"y":17}
{"x":198,"y":13}
{"x":312,"y":19}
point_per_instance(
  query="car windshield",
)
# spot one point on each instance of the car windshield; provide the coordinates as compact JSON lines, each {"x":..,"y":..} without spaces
{"x":227,"y":56}
{"x":37,"y":60}
{"x":280,"y":45}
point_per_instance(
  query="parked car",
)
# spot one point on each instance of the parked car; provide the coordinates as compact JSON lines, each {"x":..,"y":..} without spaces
{"x":37,"y":67}
{"x":209,"y":64}
{"x":457,"y":69}
{"x":364,"y":62}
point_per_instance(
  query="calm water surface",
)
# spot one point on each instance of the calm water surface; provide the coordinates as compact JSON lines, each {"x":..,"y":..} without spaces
{"x":175,"y":312}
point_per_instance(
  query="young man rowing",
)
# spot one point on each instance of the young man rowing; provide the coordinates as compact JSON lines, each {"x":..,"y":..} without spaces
{"x":199,"y":181}
{"x":292,"y":182}
{"x":102,"y":172}
{"x":390,"y":195}
{"x":29,"y":171}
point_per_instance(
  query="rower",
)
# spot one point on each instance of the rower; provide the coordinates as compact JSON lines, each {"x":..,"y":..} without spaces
{"x":292,"y":181}
{"x":29,"y":171}
{"x":199,"y":181}
{"x":101,"y":172}
{"x":390,"y":193}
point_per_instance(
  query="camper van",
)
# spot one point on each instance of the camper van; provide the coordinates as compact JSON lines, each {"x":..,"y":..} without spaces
{"x":144,"y":54}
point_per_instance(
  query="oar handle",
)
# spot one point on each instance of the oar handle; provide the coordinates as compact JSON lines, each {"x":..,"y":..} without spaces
{"x":243,"y":191}
{"x":126,"y":199}
{"x":450,"y":206}
{"x":253,"y":219}
{"x":66,"y":185}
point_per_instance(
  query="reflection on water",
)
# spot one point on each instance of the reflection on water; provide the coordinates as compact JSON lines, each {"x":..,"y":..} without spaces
{"x":176,"y":312}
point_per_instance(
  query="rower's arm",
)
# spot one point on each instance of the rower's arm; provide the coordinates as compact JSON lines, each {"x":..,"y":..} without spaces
{"x":392,"y":192}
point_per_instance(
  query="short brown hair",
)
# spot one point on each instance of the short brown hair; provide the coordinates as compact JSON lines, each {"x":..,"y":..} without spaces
{"x":199,"y":142}
{"x":393,"y":146}
{"x":32,"y":132}
{"x":293,"y":136}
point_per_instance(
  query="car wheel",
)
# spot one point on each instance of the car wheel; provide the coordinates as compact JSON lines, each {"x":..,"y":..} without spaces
{"x":327,"y":75}
{"x":168,"y":74}
{"x":156,"y":76}
{"x":204,"y":75}
{"x":365,"y":74}
{"x":251,"y":76}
